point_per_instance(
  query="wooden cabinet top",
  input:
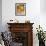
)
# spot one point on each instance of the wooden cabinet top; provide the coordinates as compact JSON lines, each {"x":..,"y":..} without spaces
{"x":20,"y":23}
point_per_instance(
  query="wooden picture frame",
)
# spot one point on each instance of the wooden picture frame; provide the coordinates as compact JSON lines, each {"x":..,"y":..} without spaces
{"x":20,"y":9}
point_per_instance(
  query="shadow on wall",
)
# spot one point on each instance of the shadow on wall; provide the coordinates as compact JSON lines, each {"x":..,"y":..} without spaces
{"x":0,"y":15}
{"x":43,"y":6}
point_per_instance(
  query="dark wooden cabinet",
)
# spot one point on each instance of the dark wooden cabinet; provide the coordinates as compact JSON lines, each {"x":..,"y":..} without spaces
{"x":22,"y":33}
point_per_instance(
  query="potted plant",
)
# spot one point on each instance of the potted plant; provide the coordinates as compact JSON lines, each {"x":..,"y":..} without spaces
{"x":41,"y":36}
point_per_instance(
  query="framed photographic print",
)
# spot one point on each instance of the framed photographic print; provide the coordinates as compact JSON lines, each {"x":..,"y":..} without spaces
{"x":20,"y":9}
